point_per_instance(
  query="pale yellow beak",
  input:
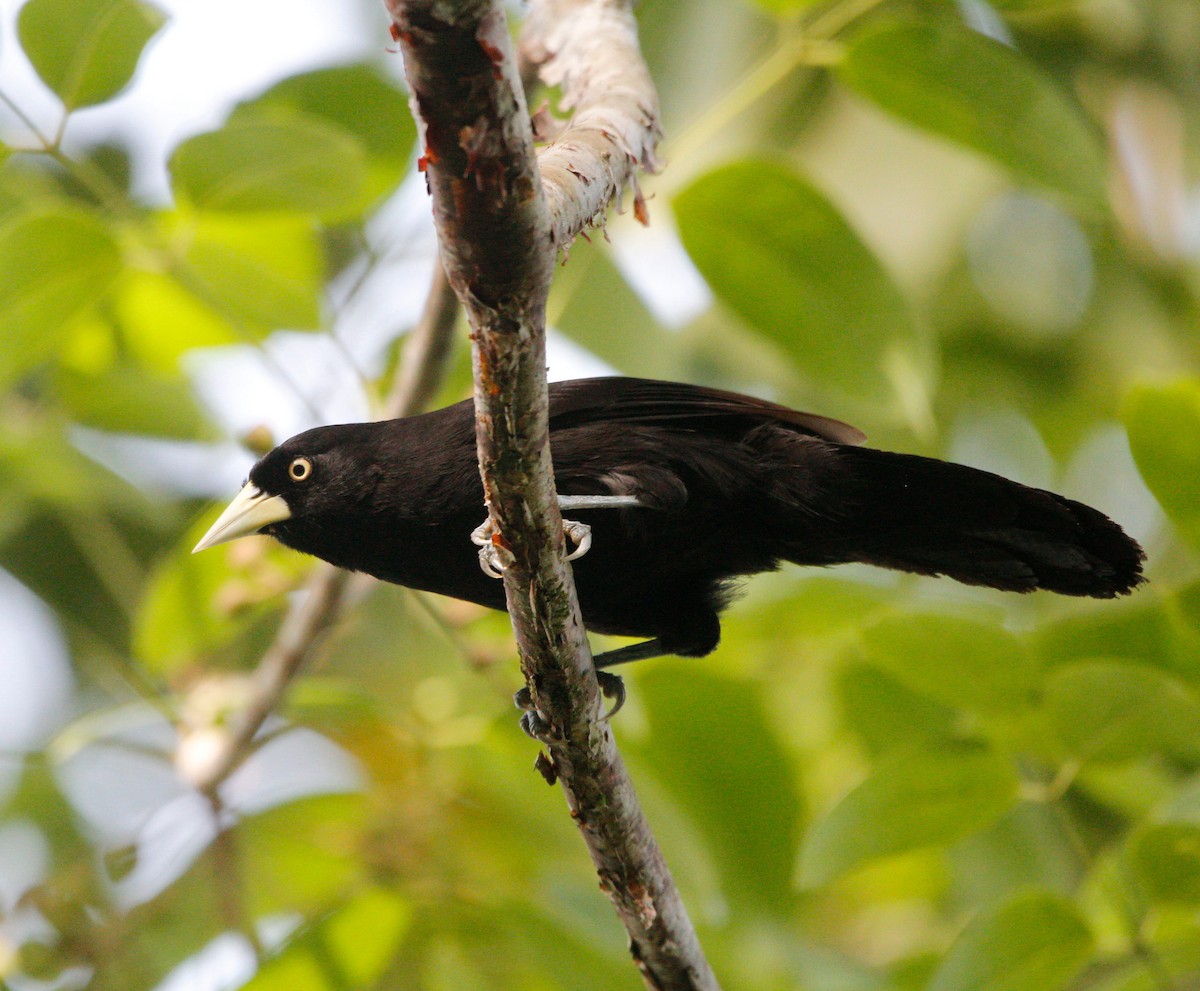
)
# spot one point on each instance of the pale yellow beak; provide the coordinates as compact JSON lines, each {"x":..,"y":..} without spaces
{"x":250,"y":511}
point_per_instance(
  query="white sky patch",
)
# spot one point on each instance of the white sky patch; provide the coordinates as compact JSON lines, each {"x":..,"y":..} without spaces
{"x":1102,"y":473}
{"x":133,"y":798}
{"x":294,"y":765}
{"x":653,"y":261}
{"x":1004,"y":442}
{"x":982,"y":17}
{"x":375,"y":301}
{"x":35,"y":676}
{"x":24,"y":860}
{"x":170,"y":467}
{"x":227,"y":962}
{"x":567,"y":360}
{"x":303,"y":380}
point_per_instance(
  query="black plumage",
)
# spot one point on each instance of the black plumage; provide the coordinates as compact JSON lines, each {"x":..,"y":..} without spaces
{"x":728,"y":486}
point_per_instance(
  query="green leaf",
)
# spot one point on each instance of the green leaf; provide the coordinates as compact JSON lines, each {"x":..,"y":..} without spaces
{"x":264,"y":272}
{"x":958,"y":662}
{"x":1036,"y":941}
{"x":271,"y":161}
{"x":83,"y":534}
{"x":956,"y":83}
{"x":129,"y":399}
{"x":348,"y":949}
{"x":1031,"y":6}
{"x":86,"y":50}
{"x":777,"y":252}
{"x":1109,"y":711}
{"x":1139,"y":630}
{"x":299,"y":855}
{"x":1165,"y":862}
{"x":52,"y":265}
{"x":1163,"y":421}
{"x":886,"y":714}
{"x":199,"y":606}
{"x":359,"y":100}
{"x":783,"y":8}
{"x":1025,"y":848}
{"x":160,"y":320}
{"x":1183,"y":606}
{"x":714,"y":751}
{"x":911,"y":800}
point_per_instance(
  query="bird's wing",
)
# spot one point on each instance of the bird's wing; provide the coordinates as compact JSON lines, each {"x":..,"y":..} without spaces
{"x":649,"y":401}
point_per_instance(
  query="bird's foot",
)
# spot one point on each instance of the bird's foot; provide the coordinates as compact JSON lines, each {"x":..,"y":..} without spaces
{"x":493,"y":553}
{"x":535,"y":725}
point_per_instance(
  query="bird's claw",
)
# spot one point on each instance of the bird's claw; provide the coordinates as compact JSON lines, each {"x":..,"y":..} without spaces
{"x":489,"y":562}
{"x":580,"y":534}
{"x":532,"y":722}
{"x":612,"y":686}
{"x":491,"y":553}
{"x":483,"y":537}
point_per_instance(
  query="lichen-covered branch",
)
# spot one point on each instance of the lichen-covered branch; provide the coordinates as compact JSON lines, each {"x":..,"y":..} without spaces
{"x":591,"y":50}
{"x":501,"y":220}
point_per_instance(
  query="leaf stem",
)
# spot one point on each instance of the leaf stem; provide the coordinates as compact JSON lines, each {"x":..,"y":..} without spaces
{"x":809,"y":45}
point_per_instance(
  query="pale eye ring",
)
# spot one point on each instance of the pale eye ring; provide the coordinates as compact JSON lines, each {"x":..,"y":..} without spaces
{"x":300,"y":470}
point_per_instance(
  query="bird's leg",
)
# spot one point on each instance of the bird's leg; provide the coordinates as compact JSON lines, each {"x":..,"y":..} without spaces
{"x":598,"y":502}
{"x":579,"y":534}
{"x":633,"y":652}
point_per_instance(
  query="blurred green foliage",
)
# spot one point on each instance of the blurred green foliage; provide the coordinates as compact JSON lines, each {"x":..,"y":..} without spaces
{"x":877,"y":783}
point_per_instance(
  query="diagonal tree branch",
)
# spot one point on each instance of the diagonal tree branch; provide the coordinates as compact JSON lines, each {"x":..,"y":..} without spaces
{"x":501,"y":221}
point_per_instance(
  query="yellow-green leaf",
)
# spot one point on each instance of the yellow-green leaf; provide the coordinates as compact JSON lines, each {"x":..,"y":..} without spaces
{"x":86,"y":50}
{"x":955,"y":661}
{"x":272,"y":161}
{"x":1163,"y":421}
{"x":264,"y":272}
{"x":911,"y":800}
{"x":961,"y":85}
{"x":1110,"y":711}
{"x":1165,"y":861}
{"x":777,"y":252}
{"x":348,"y":949}
{"x":1036,"y":941}
{"x":52,"y":264}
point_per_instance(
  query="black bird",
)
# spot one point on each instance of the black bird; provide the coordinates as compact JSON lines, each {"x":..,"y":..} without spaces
{"x":722,"y":486}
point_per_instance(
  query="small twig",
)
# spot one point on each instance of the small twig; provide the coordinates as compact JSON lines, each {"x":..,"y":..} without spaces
{"x":501,"y":220}
{"x":413,"y":388}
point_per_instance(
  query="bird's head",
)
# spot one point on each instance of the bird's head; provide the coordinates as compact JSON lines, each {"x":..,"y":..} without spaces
{"x":300,"y":487}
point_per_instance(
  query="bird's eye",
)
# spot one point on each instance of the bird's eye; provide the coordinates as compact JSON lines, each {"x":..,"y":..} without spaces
{"x":300,"y":469}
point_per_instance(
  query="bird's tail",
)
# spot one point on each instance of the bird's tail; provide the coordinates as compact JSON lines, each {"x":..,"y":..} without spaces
{"x":933,"y":517}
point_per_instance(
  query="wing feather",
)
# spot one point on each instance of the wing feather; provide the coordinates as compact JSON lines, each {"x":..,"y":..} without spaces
{"x":649,"y":401}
